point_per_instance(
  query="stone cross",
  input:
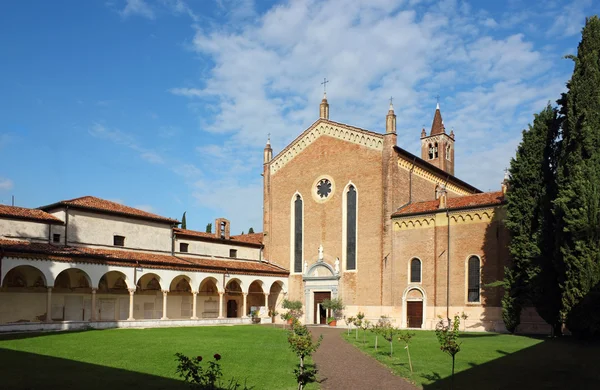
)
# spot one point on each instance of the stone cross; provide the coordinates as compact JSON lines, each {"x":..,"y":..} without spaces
{"x":324,"y":84}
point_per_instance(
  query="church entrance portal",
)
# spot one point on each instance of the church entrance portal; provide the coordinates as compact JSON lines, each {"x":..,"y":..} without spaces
{"x":231,"y":309}
{"x":320,"y":313}
{"x":414,"y":313}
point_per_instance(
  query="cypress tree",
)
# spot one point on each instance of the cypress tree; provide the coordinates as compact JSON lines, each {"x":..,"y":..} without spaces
{"x":531,"y":276}
{"x":183,"y":221}
{"x":209,"y":228}
{"x":250,"y":231}
{"x":577,"y":206}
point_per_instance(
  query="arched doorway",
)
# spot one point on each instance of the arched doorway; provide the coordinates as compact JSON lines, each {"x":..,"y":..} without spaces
{"x":234,"y":297}
{"x":256,"y":297}
{"x":414,"y":308}
{"x":24,"y":294}
{"x":148,"y":296}
{"x":180,"y":298}
{"x":71,"y":296}
{"x":208,"y":299}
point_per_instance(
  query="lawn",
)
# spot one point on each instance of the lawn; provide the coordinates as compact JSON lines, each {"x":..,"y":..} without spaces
{"x":143,"y":358}
{"x":491,"y":361}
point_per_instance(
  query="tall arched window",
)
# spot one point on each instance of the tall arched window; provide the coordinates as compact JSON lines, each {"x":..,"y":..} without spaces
{"x":473,"y":278}
{"x":448,"y":152}
{"x":415,"y":271}
{"x":351,"y":228}
{"x":298,"y":234}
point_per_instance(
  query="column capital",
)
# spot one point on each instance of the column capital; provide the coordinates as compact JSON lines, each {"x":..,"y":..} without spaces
{"x":165,"y":292}
{"x":50,"y":288}
{"x":267,"y":294}
{"x":245,"y":294}
{"x":221,"y":293}
{"x":195,"y":292}
{"x":94,"y":290}
{"x":131,"y":290}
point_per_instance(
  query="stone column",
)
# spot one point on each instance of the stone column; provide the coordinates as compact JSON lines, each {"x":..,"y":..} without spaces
{"x":49,"y":305}
{"x":221,"y":304}
{"x":131,"y":292}
{"x":164,"y":316}
{"x":194,"y":317}
{"x":244,"y":313}
{"x":267,"y":300}
{"x":93,"y":316}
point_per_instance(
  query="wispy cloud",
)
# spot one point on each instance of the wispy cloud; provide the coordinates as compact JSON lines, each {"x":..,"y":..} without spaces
{"x":139,"y":8}
{"x":6,"y":184}
{"x":568,"y":18}
{"x":180,"y":7}
{"x":120,"y":138}
{"x":187,"y":92}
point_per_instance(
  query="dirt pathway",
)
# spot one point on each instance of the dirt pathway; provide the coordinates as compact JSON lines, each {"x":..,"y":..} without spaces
{"x":342,"y":366}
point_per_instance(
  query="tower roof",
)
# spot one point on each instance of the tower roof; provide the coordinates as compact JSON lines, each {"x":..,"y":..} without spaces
{"x":437,"y":127}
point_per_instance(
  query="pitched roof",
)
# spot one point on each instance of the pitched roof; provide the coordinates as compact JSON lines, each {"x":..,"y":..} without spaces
{"x":23,"y":213}
{"x":106,"y":206}
{"x":437,"y":126}
{"x":131,"y":258}
{"x":254,"y":239}
{"x":251,"y":238}
{"x":462,"y":202}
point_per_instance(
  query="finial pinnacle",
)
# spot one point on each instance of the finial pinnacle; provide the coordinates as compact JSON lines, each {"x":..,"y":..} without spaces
{"x":391,"y":103}
{"x":324,"y":84}
{"x":269,"y":139}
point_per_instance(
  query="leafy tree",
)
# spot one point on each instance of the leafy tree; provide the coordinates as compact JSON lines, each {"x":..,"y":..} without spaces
{"x":251,"y":230}
{"x":577,"y":206}
{"x":302,"y":344}
{"x":209,"y":228}
{"x":388,"y":331}
{"x":349,"y":321}
{"x":358,"y":320}
{"x":183,"y":221}
{"x":531,"y":278}
{"x":447,"y":335}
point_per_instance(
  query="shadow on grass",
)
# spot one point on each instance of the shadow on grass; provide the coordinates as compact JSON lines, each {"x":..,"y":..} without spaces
{"x":553,"y":364}
{"x":29,"y":335}
{"x":22,"y":370}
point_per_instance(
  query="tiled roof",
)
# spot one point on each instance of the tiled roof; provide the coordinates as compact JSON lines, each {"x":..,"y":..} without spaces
{"x":476,"y":200}
{"x":131,"y":258}
{"x":254,"y":239}
{"x":102,"y":205}
{"x":27,"y":214}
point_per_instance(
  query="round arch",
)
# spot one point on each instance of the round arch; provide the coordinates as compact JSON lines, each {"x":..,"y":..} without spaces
{"x":232,"y":288}
{"x":112,"y":280}
{"x":150,"y":281}
{"x":77,"y":278}
{"x":279,"y":282}
{"x":177,"y":283}
{"x":24,"y":275}
{"x":416,"y":305}
{"x":415,"y":271}
{"x":47,"y":277}
{"x":210,"y":279}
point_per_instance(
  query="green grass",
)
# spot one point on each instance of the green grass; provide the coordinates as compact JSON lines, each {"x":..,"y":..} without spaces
{"x":144,"y":358}
{"x":491,"y":361}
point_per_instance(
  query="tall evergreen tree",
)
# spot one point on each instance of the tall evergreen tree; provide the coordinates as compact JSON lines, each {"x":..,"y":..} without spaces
{"x":531,"y":276}
{"x":183,"y":221}
{"x":577,"y":206}
{"x":250,"y":231}
{"x":209,"y":228}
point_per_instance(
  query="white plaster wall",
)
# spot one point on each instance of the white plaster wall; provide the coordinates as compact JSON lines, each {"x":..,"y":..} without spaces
{"x":208,"y":248}
{"x":12,"y":228}
{"x":100,"y":229}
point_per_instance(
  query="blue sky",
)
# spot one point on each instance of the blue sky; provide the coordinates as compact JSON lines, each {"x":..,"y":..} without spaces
{"x":166,"y":104}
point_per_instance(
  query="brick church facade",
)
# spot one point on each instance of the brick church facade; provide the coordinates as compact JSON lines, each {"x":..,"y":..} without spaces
{"x":353,"y":215}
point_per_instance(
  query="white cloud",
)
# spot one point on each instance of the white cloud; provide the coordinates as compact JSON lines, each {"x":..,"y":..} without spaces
{"x":569,"y":20}
{"x":6,"y":184}
{"x":180,"y":7}
{"x":120,"y":138}
{"x":187,"y":92}
{"x":137,"y":7}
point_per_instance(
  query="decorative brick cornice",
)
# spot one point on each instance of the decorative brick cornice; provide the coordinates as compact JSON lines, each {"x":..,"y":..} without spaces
{"x":322,"y":127}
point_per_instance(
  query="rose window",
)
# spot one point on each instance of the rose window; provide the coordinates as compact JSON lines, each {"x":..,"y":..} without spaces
{"x":324,"y":188}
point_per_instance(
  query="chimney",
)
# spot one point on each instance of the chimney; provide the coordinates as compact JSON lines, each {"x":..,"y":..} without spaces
{"x":442,"y":194}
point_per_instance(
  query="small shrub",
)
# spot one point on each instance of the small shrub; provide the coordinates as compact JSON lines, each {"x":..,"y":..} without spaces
{"x":302,"y":344}
{"x":447,"y":335}
{"x":191,"y":370}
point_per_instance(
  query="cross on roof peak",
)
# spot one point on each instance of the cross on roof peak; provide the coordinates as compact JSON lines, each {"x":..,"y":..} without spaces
{"x":324,"y":84}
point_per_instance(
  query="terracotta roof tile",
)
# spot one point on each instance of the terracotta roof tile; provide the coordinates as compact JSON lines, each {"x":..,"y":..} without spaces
{"x":129,"y":258}
{"x":102,"y":205}
{"x":28,"y":214}
{"x":252,"y":238}
{"x":476,"y":200}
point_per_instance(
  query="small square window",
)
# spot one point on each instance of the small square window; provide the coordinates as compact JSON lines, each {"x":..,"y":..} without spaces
{"x":233,"y":253}
{"x":119,"y":241}
{"x":183,"y":247}
{"x":56,"y":237}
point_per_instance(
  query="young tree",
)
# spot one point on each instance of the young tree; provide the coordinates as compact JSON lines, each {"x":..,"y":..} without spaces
{"x":209,"y":228}
{"x":183,"y":221}
{"x":531,"y":278}
{"x":301,"y":342}
{"x":447,"y":335}
{"x":405,"y":338}
{"x":388,"y":331}
{"x":251,"y":230}
{"x":577,"y":206}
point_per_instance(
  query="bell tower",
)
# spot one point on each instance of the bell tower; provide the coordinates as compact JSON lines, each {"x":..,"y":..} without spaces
{"x":437,"y":148}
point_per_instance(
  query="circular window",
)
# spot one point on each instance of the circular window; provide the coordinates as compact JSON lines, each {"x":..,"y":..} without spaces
{"x":323,"y":188}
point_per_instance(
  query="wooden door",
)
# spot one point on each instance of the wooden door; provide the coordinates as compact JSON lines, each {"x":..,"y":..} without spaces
{"x":231,"y":309}
{"x":414,"y":314}
{"x":320,"y":316}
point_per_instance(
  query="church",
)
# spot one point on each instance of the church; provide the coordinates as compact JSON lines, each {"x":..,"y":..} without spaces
{"x":354,"y":216}
{"x":347,"y":214}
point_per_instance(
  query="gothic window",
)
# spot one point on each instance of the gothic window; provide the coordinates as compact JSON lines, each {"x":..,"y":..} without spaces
{"x":415,"y":271}
{"x":323,"y":188}
{"x":298,"y":234}
{"x":448,"y":152}
{"x":473,"y":279}
{"x":351,"y":228}
{"x":435,"y":150}
{"x":430,"y":150}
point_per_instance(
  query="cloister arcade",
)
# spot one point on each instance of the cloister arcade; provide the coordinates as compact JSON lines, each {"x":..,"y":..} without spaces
{"x":49,"y":291}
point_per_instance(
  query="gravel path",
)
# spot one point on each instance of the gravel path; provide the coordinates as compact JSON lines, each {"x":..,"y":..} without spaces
{"x":342,"y":366}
